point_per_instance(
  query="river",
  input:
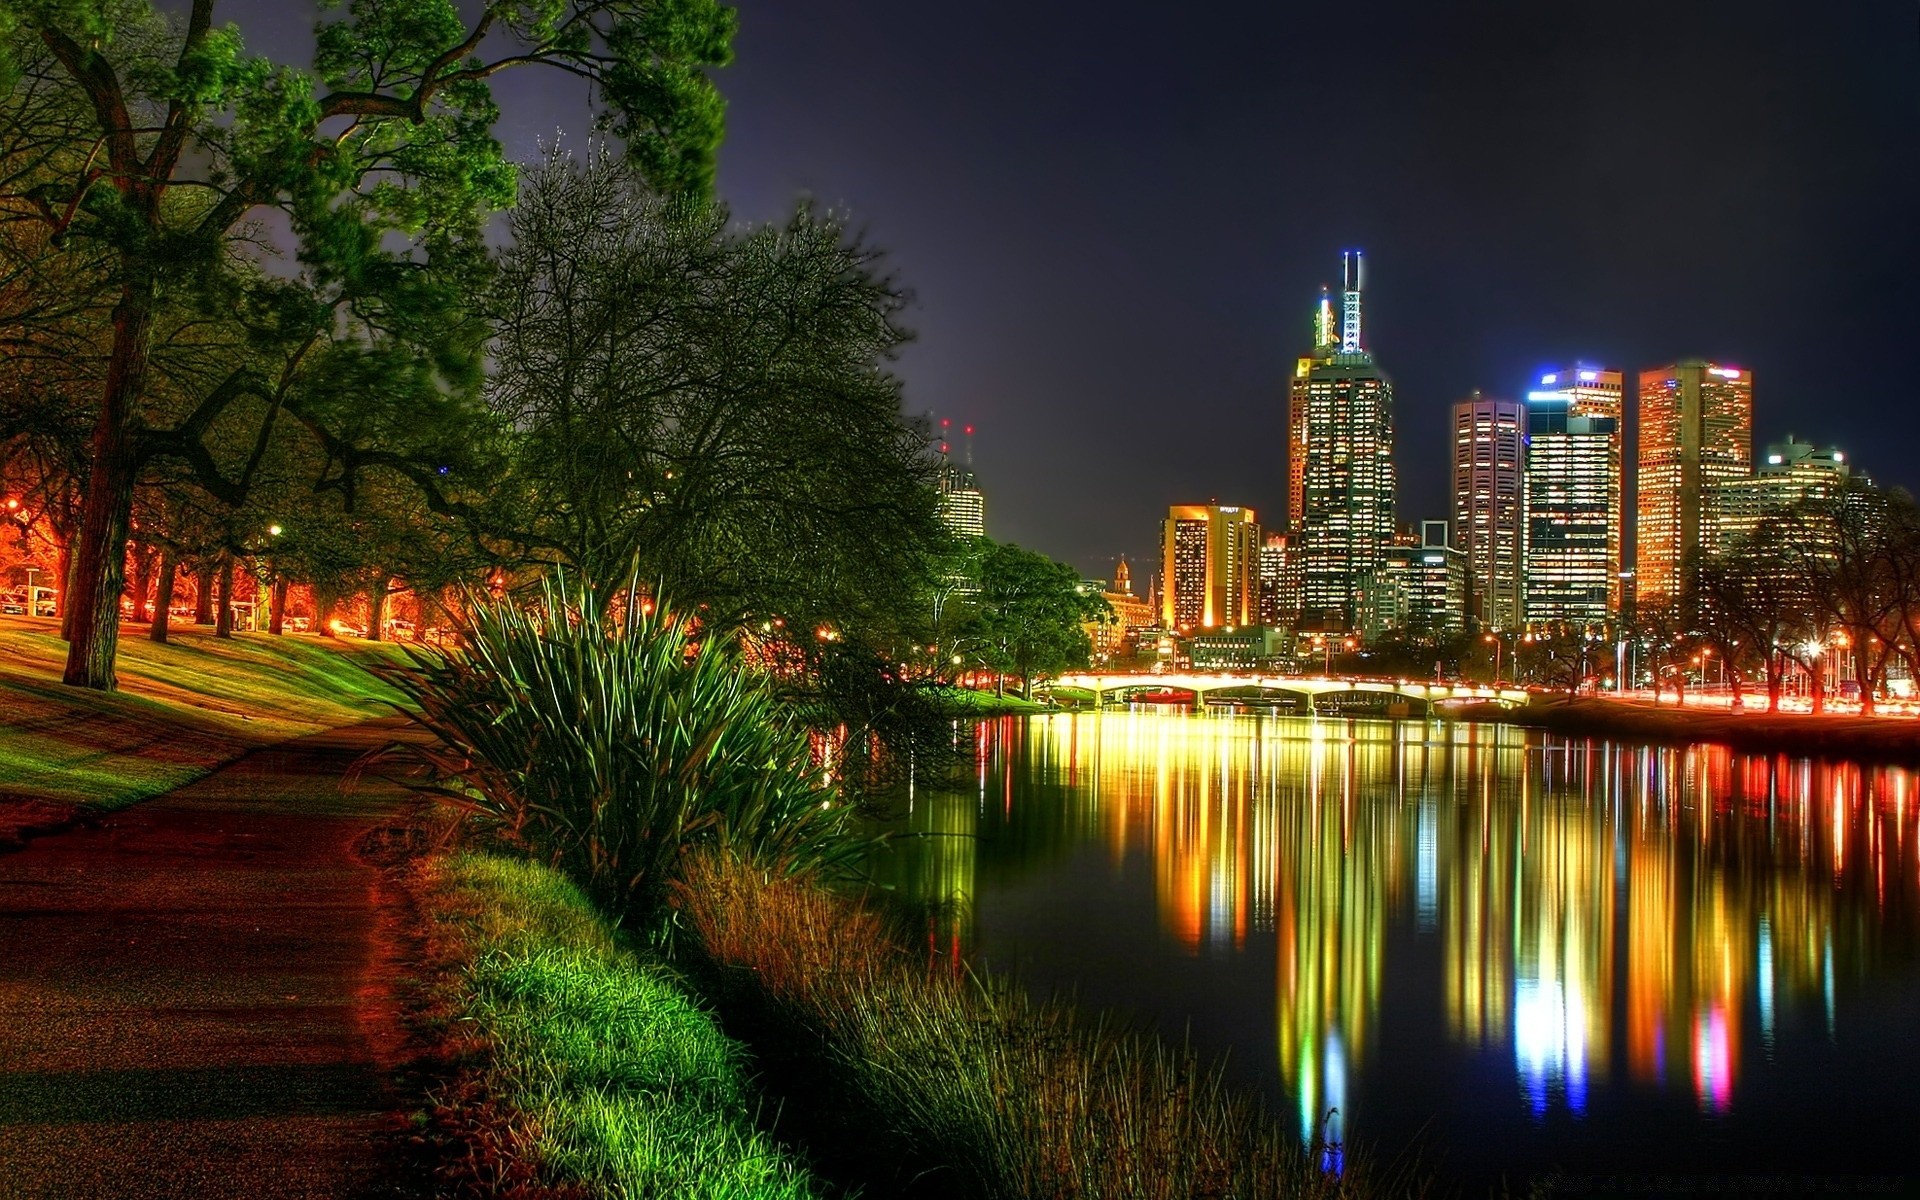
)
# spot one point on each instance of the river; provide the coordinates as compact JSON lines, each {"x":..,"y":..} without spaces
{"x":1508,"y":951}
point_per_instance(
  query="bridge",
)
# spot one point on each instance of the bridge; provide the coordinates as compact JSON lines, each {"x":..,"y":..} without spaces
{"x":1317,"y":695}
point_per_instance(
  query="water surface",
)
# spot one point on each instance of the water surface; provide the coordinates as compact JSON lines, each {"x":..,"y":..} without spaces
{"x":1517,"y":951}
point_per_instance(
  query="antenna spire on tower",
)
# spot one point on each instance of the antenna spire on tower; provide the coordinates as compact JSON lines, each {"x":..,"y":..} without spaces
{"x":1351,"y":269}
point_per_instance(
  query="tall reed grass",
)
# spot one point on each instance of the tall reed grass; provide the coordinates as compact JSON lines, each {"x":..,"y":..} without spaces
{"x":608,"y":742}
{"x":1018,"y":1099}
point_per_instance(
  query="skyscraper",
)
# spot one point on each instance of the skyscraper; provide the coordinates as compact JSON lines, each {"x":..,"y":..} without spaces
{"x":962,"y":505}
{"x":1489,"y":505}
{"x":1696,"y":429}
{"x":1600,"y":392}
{"x":1210,"y":563}
{"x":1573,"y":497}
{"x":1792,"y":473}
{"x":1340,"y":475}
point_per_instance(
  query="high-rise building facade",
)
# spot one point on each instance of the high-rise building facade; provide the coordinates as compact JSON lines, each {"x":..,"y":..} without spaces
{"x":1489,"y":505}
{"x":1696,"y":431}
{"x":1791,"y":473}
{"x":1279,"y":582}
{"x":1600,"y":393}
{"x":962,"y":505}
{"x":1573,"y":505}
{"x":1340,"y":471}
{"x":1210,"y":567}
{"x":1437,"y":584}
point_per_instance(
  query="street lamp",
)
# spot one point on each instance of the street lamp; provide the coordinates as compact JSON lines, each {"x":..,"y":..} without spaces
{"x":1497,"y":647}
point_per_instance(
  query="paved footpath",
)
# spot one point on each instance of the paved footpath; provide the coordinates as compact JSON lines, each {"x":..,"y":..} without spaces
{"x":196,"y":995}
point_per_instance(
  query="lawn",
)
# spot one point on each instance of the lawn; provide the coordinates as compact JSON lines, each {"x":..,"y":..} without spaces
{"x":182,"y":710}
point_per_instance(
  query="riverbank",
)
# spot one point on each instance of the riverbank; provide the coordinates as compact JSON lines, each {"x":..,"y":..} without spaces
{"x":1800,"y":735}
{"x":183,"y":710}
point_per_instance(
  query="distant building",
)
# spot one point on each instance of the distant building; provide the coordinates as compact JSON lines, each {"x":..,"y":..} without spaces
{"x":1436,"y":585}
{"x":1790,"y":474}
{"x":1573,"y":508}
{"x":1696,"y":431}
{"x":1120,"y":638}
{"x":1489,"y":505}
{"x":1252,"y":648}
{"x":1279,"y":582}
{"x":962,"y":505}
{"x":1210,"y":559}
{"x":1340,"y":471}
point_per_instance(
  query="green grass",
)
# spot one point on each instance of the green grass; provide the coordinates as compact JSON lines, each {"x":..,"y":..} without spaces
{"x":627,"y":1086}
{"x":182,"y":710}
{"x":971,"y":702}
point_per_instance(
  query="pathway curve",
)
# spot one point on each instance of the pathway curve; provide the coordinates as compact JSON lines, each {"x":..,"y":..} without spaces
{"x":197,"y":994}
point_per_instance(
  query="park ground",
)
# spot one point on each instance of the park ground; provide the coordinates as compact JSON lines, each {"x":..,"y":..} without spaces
{"x":220,"y":970}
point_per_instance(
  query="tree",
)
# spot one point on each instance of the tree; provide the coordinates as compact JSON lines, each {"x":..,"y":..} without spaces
{"x":184,"y":136}
{"x":709,"y":409}
{"x":1032,"y":613}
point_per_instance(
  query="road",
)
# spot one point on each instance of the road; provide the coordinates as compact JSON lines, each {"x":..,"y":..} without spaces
{"x":198,"y":995}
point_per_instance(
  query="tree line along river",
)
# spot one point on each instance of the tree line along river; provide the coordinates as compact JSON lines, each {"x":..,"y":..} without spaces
{"x":1510,"y":951}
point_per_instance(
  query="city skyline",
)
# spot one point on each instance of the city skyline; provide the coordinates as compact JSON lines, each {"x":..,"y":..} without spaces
{"x":1073,"y":307}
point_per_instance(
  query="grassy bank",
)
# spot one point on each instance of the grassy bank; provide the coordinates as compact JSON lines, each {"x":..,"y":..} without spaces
{"x":591,"y":1071}
{"x":182,"y":710}
{"x":905,"y":1076}
{"x":967,"y":703}
{"x":1836,"y":736}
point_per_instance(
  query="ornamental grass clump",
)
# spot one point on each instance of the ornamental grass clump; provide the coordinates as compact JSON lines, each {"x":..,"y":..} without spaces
{"x":608,"y":740}
{"x":965,"y":1084}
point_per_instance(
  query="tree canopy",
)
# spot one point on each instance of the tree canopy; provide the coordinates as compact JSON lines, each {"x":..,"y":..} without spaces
{"x":143,"y":146}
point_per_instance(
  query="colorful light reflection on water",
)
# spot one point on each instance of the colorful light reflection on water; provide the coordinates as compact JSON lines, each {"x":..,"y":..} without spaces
{"x":1386,"y":913}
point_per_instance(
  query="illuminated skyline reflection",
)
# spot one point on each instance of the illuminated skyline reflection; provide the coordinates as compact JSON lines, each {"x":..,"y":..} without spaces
{"x":1525,"y":951}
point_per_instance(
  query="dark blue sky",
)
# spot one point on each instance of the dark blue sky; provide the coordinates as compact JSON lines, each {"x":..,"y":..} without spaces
{"x":1116,"y":216}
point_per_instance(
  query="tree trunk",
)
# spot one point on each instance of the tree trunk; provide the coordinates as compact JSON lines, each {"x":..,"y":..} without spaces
{"x":377,"y":608}
{"x":1776,"y":675}
{"x":223,"y":618}
{"x":63,"y":585}
{"x":277,"y":619}
{"x":143,"y":565}
{"x":100,"y":567}
{"x":203,"y":573}
{"x":163,"y":595}
{"x":322,"y":612}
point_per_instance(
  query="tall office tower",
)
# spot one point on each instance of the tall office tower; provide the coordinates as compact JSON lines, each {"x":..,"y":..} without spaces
{"x":1279,"y":582}
{"x":1791,"y":473}
{"x":1600,"y":392}
{"x":1438,"y":600}
{"x":1573,"y":508}
{"x":1340,"y":475}
{"x":1489,"y":505}
{"x":962,"y":505}
{"x":1696,"y":429}
{"x":1210,"y":562}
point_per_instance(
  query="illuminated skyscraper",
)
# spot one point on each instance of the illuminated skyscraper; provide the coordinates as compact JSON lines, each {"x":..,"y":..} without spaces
{"x":1340,"y":475}
{"x":1279,"y":582}
{"x":963,"y":506}
{"x":1792,"y":473}
{"x":1489,"y":505}
{"x":1599,"y":393}
{"x":1573,"y":497}
{"x":1696,"y":430}
{"x":1211,"y":556}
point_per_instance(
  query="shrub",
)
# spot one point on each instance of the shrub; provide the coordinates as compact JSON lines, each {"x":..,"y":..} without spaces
{"x":609,"y":742}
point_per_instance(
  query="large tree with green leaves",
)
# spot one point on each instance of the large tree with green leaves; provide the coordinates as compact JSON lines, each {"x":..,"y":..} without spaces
{"x":170,"y":139}
{"x":708,"y":409}
{"x":1032,"y":612}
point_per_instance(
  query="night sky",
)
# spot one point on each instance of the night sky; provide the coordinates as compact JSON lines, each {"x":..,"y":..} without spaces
{"x":1116,"y":216}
